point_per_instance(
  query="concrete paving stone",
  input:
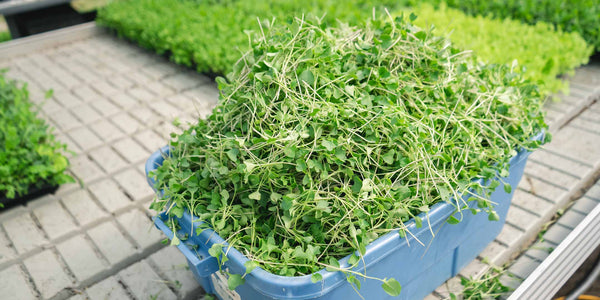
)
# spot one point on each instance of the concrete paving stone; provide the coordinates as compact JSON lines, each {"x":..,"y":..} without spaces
{"x":71,"y":146}
{"x":474,"y":269}
{"x":494,"y":253}
{"x":67,"y":99}
{"x":81,"y":258}
{"x":55,"y":221}
{"x":134,"y":184}
{"x":585,"y":205}
{"x":552,"y":176}
{"x":542,"y":189}
{"x":64,"y":120}
{"x":6,"y":249}
{"x":183,"y":102}
{"x":144,"y":283}
{"x":571,"y":219}
{"x":85,"y":169}
{"x":87,"y":75}
{"x":80,"y":296}
{"x":565,"y":165}
{"x":138,"y":77}
{"x":41,"y":60}
{"x":86,"y":114}
{"x":510,"y":281}
{"x":532,"y":204}
{"x":121,"y":82}
{"x":159,"y":89}
{"x":451,"y":286}
{"x":16,"y":74}
{"x":14,"y":284}
{"x":48,"y":275}
{"x":141,"y":228}
{"x":111,"y":242}
{"x":206,"y":94}
{"x":49,"y":106}
{"x":24,"y":233}
{"x":147,"y":116}
{"x":590,"y":114}
{"x":522,"y":219}
{"x":106,"y":131}
{"x":586,"y":125}
{"x":540,"y":250}
{"x":103,"y":70}
{"x":523,"y":266}
{"x":160,"y":70}
{"x":165,"y":129}
{"x":124,"y":100}
{"x":594,"y":191}
{"x":576,"y":143}
{"x":86,"y":93}
{"x":108,"y":159}
{"x":510,"y":236}
{"x":105,"y":107}
{"x":165,"y":109}
{"x":150,"y":140}
{"x":109,"y":194}
{"x":432,"y":297}
{"x":182,"y":81}
{"x":141,"y":167}
{"x":82,"y":207}
{"x":25,"y":63}
{"x":69,"y":187}
{"x":65,"y":78}
{"x":131,"y":150}
{"x":595,"y":107}
{"x":126,"y":123}
{"x":556,"y":234}
{"x":108,"y":288}
{"x":85,"y":138}
{"x":120,"y":66}
{"x":173,"y":265}
{"x":142,"y":94}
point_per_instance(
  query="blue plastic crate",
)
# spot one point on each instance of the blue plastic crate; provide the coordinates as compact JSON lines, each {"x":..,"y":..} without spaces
{"x":420,"y":266}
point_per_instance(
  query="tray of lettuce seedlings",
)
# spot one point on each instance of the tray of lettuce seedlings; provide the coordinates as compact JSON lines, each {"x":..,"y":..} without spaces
{"x":374,"y":160}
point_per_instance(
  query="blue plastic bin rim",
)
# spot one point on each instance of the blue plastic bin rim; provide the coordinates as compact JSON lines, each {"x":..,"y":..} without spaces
{"x":271,"y":284}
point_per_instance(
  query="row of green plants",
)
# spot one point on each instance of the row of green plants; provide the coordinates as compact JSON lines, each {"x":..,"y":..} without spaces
{"x":580,"y":16}
{"x":327,"y":137}
{"x":544,"y":53}
{"x":4,"y":36}
{"x":212,"y":35}
{"x":31,"y":157}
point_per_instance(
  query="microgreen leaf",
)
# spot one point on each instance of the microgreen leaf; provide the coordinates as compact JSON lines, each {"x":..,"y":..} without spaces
{"x":392,"y":287}
{"x":234,"y":281}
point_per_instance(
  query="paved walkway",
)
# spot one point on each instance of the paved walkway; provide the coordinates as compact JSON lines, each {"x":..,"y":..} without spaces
{"x":113,"y":105}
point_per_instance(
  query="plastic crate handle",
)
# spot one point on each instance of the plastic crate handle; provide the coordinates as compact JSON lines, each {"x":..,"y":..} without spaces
{"x":202,"y":266}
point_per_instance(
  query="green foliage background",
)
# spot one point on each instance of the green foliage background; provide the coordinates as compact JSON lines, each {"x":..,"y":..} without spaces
{"x":212,"y":35}
{"x":30,"y":156}
{"x":542,"y":51}
{"x":581,"y":16}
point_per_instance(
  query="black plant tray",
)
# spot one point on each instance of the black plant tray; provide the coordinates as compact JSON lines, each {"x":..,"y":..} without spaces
{"x":33,"y":193}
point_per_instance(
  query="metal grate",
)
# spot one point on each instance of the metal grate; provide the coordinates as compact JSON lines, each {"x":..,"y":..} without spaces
{"x":557,"y":268}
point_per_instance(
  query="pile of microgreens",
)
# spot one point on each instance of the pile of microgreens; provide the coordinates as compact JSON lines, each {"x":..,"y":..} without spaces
{"x":326,"y":138}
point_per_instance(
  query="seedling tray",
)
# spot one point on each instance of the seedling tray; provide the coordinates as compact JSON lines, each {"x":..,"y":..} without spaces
{"x":419,"y":261}
{"x":33,"y":193}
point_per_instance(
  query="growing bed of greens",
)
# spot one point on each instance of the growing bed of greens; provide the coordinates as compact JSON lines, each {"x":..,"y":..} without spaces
{"x":544,"y":52}
{"x":31,"y":158}
{"x":212,"y":35}
{"x":579,"y":16}
{"x":325,"y":138}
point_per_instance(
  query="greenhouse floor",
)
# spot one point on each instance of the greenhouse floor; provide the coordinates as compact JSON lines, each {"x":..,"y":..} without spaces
{"x":113,"y":104}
